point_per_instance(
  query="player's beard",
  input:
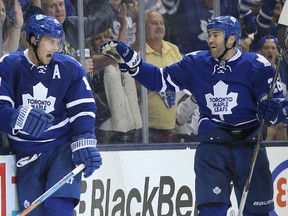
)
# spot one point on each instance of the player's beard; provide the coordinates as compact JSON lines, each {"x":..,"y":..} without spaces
{"x":217,"y":52}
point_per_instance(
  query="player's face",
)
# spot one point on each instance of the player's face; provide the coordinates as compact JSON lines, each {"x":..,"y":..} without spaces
{"x":155,"y":26}
{"x":216,"y":42}
{"x":269,"y":50}
{"x":46,"y":49}
{"x":56,"y":8}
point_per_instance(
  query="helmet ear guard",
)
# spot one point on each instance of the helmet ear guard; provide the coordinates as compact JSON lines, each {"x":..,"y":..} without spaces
{"x":229,"y":24}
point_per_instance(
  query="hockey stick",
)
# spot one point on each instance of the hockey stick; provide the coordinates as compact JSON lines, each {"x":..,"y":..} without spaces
{"x":53,"y":189}
{"x":282,"y":31}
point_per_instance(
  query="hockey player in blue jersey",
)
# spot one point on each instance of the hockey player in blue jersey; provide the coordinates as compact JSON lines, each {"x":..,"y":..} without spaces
{"x":227,"y":85}
{"x":48,"y":111}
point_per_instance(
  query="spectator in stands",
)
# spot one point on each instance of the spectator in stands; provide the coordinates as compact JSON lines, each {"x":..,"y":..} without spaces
{"x":92,"y":25}
{"x":131,"y":22}
{"x":56,"y":8}
{"x":266,"y":16}
{"x":161,"y":106}
{"x":70,"y":9}
{"x":188,"y":21}
{"x":11,"y":34}
{"x":268,"y":47}
{"x":124,"y":124}
{"x":91,"y":10}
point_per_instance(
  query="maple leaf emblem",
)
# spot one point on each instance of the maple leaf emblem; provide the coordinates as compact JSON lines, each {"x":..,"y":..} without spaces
{"x":40,"y":99}
{"x":217,"y":190}
{"x":221,"y":103}
{"x":263,"y":60}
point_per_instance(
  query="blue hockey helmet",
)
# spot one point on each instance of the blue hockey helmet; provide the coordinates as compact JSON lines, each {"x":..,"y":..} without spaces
{"x":40,"y":25}
{"x":229,"y":24}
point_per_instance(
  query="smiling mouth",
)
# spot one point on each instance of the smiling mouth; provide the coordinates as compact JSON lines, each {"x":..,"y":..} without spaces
{"x":211,"y":46}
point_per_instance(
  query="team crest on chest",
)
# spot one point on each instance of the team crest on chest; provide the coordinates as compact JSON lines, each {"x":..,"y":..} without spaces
{"x":220,"y":102}
{"x":39,"y":99}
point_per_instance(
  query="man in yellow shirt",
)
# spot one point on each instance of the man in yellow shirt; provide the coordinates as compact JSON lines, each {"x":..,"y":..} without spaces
{"x":161,"y":107}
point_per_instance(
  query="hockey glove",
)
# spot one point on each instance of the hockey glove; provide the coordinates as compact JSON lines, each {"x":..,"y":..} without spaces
{"x":84,"y":150}
{"x":269,"y":109}
{"x":30,"y":120}
{"x":250,"y":26}
{"x":121,"y":52}
{"x":264,"y":17}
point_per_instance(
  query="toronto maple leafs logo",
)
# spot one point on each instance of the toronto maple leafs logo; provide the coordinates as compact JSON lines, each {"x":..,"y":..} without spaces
{"x":220,"y":103}
{"x":39,"y":99}
{"x":217,"y":190}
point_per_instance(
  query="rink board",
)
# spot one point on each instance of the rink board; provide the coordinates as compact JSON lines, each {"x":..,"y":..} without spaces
{"x":145,"y":182}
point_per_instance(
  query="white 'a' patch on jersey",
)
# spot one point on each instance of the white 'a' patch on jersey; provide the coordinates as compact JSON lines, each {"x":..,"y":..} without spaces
{"x":56,"y":73}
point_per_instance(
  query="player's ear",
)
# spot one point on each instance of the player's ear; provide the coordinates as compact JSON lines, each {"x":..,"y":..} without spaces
{"x":32,"y":40}
{"x":231,"y":41}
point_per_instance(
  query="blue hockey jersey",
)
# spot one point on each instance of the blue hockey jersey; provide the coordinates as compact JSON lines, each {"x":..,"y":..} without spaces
{"x":60,"y":88}
{"x":226,"y":92}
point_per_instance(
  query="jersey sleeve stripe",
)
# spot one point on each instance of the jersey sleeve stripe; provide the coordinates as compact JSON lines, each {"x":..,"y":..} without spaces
{"x":25,"y":140}
{"x":164,"y":86}
{"x":6,"y":98}
{"x":80,"y":101}
{"x":173,"y":84}
{"x":59,"y":125}
{"x":82,"y":114}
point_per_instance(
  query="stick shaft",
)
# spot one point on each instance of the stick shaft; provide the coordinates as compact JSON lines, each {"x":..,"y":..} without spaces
{"x":53,"y":189}
{"x":259,"y":140}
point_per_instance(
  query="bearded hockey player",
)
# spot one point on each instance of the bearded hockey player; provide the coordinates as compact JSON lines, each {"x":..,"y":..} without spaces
{"x":227,"y":86}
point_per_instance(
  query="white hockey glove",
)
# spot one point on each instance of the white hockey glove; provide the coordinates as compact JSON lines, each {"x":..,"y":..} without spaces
{"x":127,"y":58}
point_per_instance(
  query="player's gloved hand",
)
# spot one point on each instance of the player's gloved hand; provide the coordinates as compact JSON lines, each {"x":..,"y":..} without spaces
{"x":84,"y":150}
{"x":250,"y":25}
{"x":30,"y":120}
{"x":127,"y":58}
{"x":269,"y":110}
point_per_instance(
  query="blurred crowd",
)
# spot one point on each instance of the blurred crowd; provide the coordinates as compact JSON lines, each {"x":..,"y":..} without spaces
{"x":173,"y":28}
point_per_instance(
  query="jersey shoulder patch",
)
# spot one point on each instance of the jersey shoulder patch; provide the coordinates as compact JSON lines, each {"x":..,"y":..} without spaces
{"x":256,"y":59}
{"x":263,"y":60}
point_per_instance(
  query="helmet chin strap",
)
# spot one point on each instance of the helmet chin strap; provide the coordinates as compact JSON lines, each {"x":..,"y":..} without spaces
{"x":36,"y":54}
{"x":225,"y":51}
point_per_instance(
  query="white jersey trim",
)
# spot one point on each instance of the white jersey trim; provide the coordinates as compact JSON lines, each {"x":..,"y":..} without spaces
{"x":6,"y":98}
{"x":80,"y":101}
{"x":82,"y":114}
